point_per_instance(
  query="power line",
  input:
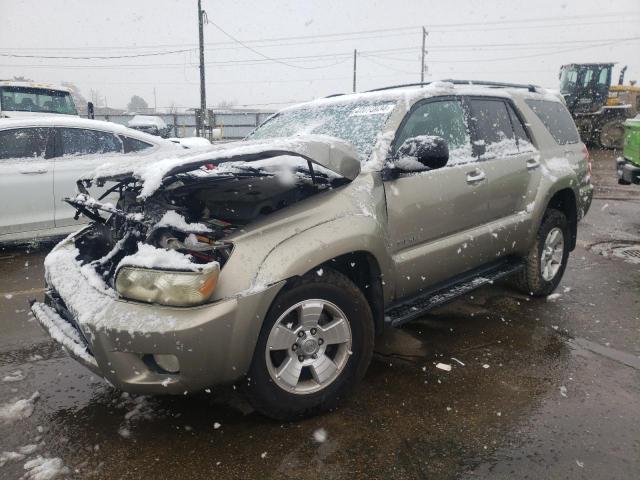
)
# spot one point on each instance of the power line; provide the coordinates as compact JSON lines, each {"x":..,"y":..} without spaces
{"x":276,"y":60}
{"x":98,"y":57}
{"x":484,"y":25}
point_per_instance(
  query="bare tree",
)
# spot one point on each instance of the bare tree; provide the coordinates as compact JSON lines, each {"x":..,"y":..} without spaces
{"x":137,"y":104}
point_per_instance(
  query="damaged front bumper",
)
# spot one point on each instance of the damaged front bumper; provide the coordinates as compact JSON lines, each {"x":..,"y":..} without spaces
{"x":119,"y":339}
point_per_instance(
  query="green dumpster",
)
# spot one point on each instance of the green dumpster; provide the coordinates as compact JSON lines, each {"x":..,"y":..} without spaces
{"x":628,"y":166}
{"x":632,"y":140}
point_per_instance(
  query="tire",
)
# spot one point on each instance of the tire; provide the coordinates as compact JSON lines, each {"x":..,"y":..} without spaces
{"x":612,"y":134}
{"x":533,"y":280}
{"x":334,"y":295}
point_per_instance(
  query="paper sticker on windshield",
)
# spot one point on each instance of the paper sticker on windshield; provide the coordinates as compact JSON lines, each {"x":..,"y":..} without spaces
{"x":371,"y":110}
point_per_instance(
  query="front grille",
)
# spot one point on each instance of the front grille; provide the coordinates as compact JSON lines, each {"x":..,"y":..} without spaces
{"x":53,"y":300}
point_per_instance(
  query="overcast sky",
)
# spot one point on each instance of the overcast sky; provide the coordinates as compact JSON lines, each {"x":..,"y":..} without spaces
{"x":516,"y":41}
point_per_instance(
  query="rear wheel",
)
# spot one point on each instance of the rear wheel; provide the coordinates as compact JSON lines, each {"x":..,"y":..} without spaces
{"x":547,"y":259}
{"x":315,"y":344}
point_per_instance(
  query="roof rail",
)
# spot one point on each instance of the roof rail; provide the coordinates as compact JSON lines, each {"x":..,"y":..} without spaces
{"x":334,"y":95}
{"x":531,"y":88}
{"x":402,"y":85}
{"x":485,"y":83}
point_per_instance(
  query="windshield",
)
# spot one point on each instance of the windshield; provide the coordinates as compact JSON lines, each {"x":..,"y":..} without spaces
{"x":582,"y":77}
{"x":356,"y":122}
{"x":28,"y":99}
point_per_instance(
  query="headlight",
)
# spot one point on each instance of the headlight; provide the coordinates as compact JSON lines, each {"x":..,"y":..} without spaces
{"x":183,"y":289}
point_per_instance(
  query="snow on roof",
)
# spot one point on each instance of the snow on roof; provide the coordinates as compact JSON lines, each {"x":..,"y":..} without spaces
{"x":78,"y":122}
{"x":147,"y":121}
{"x":18,"y":83}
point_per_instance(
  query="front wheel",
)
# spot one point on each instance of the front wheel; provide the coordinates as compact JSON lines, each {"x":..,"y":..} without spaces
{"x":547,"y":259}
{"x":315,"y":344}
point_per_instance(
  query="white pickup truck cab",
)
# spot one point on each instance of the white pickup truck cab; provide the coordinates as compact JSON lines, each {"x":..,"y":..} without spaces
{"x":28,"y":99}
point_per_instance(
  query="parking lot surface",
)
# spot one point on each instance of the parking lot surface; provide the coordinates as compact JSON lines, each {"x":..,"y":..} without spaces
{"x":538,"y":388}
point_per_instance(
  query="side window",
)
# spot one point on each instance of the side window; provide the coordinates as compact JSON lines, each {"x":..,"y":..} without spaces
{"x":493,"y":128}
{"x":134,"y":145}
{"x":556,"y":119}
{"x":23,"y":143}
{"x":81,"y":141}
{"x":442,"y":118}
{"x":524,"y":142}
{"x":603,"y":78}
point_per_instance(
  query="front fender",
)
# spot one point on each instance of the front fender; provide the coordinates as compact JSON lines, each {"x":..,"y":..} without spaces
{"x":303,"y":252}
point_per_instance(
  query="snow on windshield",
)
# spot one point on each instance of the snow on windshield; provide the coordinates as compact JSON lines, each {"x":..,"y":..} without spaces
{"x":357,"y":123}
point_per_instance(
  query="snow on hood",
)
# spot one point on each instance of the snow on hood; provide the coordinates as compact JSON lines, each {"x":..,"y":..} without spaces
{"x":329,"y":152}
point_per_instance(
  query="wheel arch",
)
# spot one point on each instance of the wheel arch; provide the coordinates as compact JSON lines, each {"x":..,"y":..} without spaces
{"x":565,"y":201}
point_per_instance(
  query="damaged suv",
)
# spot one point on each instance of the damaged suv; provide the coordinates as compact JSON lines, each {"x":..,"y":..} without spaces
{"x":275,"y":261}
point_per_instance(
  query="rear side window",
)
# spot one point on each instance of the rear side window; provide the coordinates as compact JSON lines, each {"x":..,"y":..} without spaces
{"x":134,"y":145}
{"x":556,"y":118}
{"x":492,"y":125}
{"x":23,"y":143}
{"x":82,"y":141}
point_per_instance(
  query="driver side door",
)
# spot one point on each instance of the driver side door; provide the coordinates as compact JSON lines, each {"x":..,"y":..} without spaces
{"x":432,"y":214}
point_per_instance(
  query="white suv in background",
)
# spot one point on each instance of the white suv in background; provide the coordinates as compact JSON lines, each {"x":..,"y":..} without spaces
{"x":40,"y":160}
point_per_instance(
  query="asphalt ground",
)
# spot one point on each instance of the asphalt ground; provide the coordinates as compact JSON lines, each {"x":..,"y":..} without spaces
{"x":539,"y":388}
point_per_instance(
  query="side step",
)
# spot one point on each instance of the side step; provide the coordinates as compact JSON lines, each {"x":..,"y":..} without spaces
{"x":411,"y":308}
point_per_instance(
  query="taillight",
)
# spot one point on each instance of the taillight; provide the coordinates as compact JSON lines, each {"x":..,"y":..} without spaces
{"x":587,"y":157}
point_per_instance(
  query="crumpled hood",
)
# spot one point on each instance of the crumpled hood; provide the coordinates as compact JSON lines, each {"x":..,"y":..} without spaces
{"x":334,"y":154}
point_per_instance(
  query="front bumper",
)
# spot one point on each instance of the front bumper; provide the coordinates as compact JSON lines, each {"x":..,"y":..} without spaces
{"x":117,"y":339}
{"x":628,"y":172}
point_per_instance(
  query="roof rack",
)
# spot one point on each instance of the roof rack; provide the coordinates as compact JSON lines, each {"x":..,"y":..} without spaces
{"x":484,"y":83}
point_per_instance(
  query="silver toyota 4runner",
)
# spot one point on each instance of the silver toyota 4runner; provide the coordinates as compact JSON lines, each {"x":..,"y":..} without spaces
{"x":273,"y":262}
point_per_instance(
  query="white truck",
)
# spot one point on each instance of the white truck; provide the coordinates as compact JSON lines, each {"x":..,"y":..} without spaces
{"x":28,"y":99}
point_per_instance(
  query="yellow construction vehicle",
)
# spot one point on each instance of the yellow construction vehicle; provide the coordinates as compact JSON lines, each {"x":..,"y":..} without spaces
{"x":599,"y":108}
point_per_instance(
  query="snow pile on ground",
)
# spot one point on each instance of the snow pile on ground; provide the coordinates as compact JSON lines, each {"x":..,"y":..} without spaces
{"x":43,"y":468}
{"x":14,"y":377}
{"x":173,"y":219}
{"x":10,"y":457}
{"x":19,"y":410}
{"x":320,"y":435}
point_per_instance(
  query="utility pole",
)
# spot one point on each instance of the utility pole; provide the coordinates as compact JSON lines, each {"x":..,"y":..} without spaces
{"x":424,"y":52}
{"x":203,"y":93}
{"x":355,"y":68}
{"x":155,"y":101}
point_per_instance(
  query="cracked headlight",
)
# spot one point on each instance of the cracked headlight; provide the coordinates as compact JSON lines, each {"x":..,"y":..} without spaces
{"x":174,"y":288}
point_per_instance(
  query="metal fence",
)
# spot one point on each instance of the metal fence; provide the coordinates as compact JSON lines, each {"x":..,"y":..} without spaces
{"x":233,"y":125}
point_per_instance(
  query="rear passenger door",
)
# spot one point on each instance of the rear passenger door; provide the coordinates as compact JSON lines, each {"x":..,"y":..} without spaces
{"x":509,"y":160}
{"x":80,"y":151}
{"x":26,"y":180}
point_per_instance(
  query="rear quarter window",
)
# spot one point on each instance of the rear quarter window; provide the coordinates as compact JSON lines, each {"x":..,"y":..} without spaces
{"x":134,"y":145}
{"x":556,"y":119}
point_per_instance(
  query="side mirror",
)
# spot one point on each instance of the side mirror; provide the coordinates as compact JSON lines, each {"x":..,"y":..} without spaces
{"x":428,"y":151}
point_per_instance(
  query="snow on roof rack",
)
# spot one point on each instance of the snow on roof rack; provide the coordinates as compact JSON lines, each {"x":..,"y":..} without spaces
{"x":482,"y":83}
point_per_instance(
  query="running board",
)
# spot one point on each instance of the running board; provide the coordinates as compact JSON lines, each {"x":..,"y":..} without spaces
{"x":406,"y":310}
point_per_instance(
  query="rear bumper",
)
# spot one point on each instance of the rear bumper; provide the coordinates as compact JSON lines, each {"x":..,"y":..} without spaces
{"x":117,"y":339}
{"x":628,"y":172}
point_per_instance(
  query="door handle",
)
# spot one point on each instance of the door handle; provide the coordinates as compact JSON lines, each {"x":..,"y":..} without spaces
{"x":532,"y":163}
{"x":475,"y":176}
{"x":33,"y":171}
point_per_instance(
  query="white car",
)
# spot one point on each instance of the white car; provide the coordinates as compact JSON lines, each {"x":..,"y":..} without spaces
{"x":40,"y":160}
